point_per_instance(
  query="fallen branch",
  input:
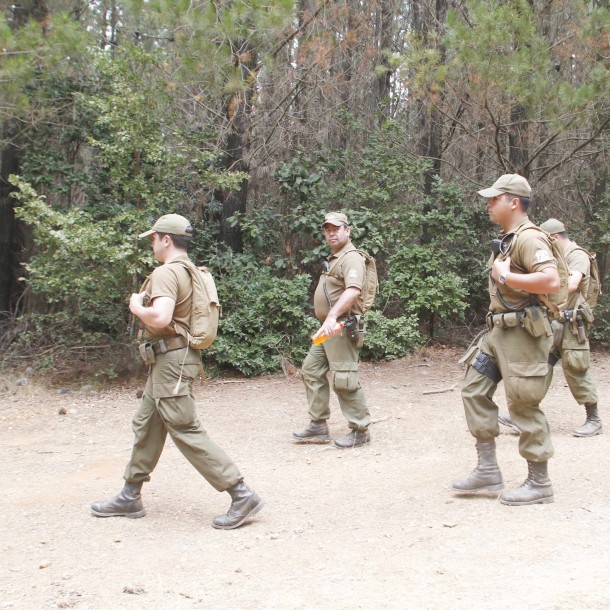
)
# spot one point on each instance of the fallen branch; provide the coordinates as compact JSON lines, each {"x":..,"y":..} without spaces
{"x":441,"y":390}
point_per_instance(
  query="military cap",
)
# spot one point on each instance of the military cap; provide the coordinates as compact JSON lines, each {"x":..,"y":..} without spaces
{"x":174,"y":224}
{"x":508,"y":183}
{"x":335,"y":218}
{"x":552,"y":226}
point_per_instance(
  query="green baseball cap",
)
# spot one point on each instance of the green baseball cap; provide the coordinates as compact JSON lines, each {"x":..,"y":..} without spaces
{"x":508,"y":183}
{"x":174,"y":224}
{"x":552,"y":226}
{"x":335,"y":218}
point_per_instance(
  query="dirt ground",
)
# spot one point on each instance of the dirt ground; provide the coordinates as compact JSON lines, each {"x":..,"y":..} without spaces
{"x":376,"y":527}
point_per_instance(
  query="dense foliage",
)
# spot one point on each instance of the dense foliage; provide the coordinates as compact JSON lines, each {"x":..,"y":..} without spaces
{"x":254,"y":119}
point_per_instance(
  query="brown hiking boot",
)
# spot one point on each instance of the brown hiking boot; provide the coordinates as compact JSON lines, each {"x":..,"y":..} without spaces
{"x":536,"y":489}
{"x":127,"y":504}
{"x":244,"y":505}
{"x":593,"y":423}
{"x":316,"y":432}
{"x":355,"y":438}
{"x":486,"y":476}
{"x":506,"y":420}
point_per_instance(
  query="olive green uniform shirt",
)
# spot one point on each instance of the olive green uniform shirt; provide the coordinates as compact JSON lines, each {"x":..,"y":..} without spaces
{"x":173,"y":281}
{"x":531,"y":252}
{"x":347,"y":269}
{"x":578,"y":260}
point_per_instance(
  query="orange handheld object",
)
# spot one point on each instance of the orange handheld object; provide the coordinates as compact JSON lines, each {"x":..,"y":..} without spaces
{"x":316,"y":340}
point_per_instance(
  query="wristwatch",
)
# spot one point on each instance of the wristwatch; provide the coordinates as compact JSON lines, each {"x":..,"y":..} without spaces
{"x":502,"y":278}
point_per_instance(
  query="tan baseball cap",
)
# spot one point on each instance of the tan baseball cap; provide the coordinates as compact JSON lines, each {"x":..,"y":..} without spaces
{"x":174,"y":224}
{"x":508,"y":183}
{"x":335,"y":218}
{"x":552,"y":226}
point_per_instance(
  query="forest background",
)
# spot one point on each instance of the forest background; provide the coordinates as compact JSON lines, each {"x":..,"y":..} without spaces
{"x":252,"y":119}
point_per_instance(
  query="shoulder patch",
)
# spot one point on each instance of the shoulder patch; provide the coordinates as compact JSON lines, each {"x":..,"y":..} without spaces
{"x":352,"y":273}
{"x":542,"y":256}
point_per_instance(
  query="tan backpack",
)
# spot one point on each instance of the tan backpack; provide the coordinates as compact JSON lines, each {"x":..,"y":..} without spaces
{"x":556,"y":302}
{"x":205,"y":310}
{"x":370,"y":287}
{"x":595,"y":284}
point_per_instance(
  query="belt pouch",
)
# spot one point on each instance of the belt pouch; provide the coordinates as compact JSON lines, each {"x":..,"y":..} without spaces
{"x":147,"y":353}
{"x":536,"y":323}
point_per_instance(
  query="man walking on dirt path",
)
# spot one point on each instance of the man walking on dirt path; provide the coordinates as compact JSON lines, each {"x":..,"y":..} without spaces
{"x":522,"y":271}
{"x":168,"y":404}
{"x":338,"y":293}
{"x":568,"y":346}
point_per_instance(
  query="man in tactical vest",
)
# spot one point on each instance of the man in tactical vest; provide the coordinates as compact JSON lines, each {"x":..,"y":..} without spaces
{"x":338,"y":293}
{"x":571,"y":342}
{"x":515,"y":349}
{"x":168,"y":404}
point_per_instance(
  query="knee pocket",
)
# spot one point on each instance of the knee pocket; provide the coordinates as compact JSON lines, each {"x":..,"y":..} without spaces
{"x":526,"y":382}
{"x":345,"y":377}
{"x":576,"y":360}
{"x":178,"y":411}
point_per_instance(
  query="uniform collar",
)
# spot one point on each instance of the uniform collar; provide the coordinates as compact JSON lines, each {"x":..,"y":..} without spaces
{"x":348,"y":246}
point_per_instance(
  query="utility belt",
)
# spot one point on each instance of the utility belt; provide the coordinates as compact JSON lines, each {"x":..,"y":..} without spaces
{"x":150,"y":349}
{"x":534,"y":320}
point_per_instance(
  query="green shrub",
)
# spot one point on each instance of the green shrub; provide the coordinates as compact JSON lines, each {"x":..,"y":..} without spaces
{"x":390,"y":338}
{"x":264,"y":319}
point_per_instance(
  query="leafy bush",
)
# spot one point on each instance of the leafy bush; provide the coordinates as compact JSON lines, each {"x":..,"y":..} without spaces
{"x":264,"y":317}
{"x":390,"y":338}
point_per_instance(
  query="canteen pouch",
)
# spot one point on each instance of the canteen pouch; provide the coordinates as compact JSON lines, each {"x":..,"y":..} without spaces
{"x":146,"y":352}
{"x":536,"y":323}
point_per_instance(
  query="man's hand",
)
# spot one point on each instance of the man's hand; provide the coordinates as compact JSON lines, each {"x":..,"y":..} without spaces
{"x":327,"y":327}
{"x":500,"y":267}
{"x":137,"y":298}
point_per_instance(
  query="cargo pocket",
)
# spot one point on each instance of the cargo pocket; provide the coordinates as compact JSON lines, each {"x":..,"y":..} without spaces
{"x":345,"y":376}
{"x":525,"y":382}
{"x":576,"y":360}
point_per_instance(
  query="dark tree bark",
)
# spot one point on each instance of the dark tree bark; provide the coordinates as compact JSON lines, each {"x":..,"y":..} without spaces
{"x":10,"y":231}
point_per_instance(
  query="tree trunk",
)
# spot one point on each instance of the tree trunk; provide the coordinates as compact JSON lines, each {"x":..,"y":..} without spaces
{"x":238,"y":111}
{"x":10,"y":240}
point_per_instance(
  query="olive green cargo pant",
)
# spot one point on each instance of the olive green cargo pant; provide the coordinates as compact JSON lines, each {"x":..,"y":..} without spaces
{"x":339,"y":356}
{"x":161,"y":412}
{"x":575,"y":360}
{"x":523,"y":363}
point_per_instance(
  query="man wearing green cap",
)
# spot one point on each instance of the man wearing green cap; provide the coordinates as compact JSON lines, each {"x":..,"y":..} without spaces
{"x":568,"y":346}
{"x":168,"y":404}
{"x":339,"y":292}
{"x":515,"y":349}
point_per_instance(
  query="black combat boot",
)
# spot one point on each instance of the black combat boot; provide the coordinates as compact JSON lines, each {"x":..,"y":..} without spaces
{"x":506,"y":420}
{"x":593,"y":423}
{"x":355,"y":438}
{"x":245,"y":504}
{"x":486,"y":476}
{"x":536,"y":489}
{"x":127,"y":504}
{"x":316,"y":432}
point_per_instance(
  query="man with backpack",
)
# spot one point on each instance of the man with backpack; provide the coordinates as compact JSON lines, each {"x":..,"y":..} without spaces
{"x":571,"y":343}
{"x":165,"y":310}
{"x":339,"y":305}
{"x":523,"y":272}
